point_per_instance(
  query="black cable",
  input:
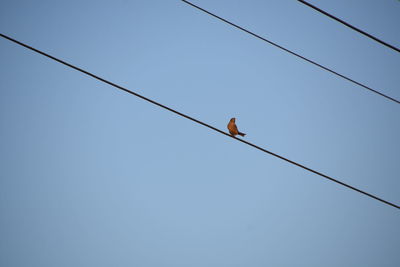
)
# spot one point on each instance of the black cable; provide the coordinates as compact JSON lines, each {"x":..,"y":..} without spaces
{"x":349,"y":25}
{"x":291,"y":52}
{"x":197,"y":121}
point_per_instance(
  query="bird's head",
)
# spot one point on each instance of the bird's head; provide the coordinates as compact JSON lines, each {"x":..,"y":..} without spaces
{"x":233,"y":119}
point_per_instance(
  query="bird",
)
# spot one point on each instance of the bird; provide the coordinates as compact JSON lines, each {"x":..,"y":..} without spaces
{"x":233,"y":130}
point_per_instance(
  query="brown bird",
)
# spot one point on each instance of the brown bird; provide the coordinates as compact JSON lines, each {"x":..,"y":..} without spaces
{"x":233,"y":130}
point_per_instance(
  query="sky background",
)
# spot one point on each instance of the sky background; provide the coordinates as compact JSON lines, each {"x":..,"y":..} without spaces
{"x":93,"y":176}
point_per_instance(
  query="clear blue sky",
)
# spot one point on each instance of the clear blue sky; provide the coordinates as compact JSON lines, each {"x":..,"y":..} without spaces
{"x":92,"y":176}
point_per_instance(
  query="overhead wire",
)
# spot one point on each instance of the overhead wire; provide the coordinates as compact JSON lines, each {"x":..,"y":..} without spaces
{"x":350,"y":26}
{"x":291,"y":52}
{"x":197,"y":121}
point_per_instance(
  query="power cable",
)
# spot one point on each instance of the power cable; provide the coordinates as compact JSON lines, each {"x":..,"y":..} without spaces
{"x":197,"y":121}
{"x":350,"y":26}
{"x":291,"y":52}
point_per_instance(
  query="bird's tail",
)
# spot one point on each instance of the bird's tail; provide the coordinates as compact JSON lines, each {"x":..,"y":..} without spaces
{"x":241,"y":134}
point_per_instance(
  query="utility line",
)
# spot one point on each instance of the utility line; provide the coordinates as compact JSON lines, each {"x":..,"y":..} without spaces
{"x":197,"y":121}
{"x":291,"y":52}
{"x":349,"y":25}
